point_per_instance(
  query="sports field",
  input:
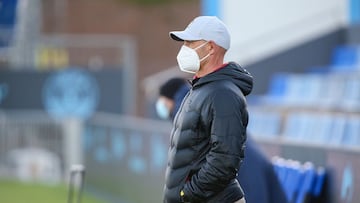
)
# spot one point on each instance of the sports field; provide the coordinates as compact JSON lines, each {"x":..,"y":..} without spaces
{"x":19,"y":192}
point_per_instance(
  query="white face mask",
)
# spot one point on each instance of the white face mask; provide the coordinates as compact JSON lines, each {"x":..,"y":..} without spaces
{"x":161,"y":109}
{"x":188,"y":59}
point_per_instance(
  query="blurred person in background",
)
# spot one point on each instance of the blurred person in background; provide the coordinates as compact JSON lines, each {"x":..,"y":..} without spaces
{"x":208,"y":137}
{"x":171,"y":94}
{"x":256,"y":175}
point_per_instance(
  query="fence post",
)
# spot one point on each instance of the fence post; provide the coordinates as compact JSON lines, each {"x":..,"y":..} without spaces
{"x":73,"y":150}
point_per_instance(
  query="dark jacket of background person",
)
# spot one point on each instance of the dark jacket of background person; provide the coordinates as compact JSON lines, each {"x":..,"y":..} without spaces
{"x":205,"y":144}
{"x":257,"y":177}
{"x":178,"y":97}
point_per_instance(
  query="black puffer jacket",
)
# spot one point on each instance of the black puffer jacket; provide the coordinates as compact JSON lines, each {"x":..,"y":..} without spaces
{"x":207,"y":140}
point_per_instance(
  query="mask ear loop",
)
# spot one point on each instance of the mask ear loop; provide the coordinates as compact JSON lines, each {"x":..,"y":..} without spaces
{"x":200,"y":47}
{"x":205,"y":57}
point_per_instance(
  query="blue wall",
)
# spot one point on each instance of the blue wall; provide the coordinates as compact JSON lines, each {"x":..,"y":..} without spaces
{"x":211,"y":8}
{"x":354,"y":11}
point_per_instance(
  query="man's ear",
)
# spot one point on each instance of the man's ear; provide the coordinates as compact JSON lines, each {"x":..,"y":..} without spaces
{"x":212,"y":47}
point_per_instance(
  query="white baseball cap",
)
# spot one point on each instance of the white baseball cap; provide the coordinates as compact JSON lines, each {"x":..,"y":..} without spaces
{"x":205,"y":28}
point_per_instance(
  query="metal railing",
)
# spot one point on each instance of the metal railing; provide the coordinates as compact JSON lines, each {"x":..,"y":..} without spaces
{"x":117,"y":151}
{"x":31,"y":142}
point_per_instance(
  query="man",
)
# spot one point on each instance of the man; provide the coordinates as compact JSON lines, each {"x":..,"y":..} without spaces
{"x":209,"y":132}
{"x":256,"y":175}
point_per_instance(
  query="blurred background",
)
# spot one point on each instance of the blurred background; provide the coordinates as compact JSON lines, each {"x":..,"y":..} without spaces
{"x":79,"y":80}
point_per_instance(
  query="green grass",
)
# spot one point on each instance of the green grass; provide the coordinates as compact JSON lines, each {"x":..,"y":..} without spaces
{"x":131,"y":189}
{"x":19,"y":192}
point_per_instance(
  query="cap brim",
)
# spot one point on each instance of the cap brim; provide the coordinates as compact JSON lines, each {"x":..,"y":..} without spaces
{"x":182,"y":36}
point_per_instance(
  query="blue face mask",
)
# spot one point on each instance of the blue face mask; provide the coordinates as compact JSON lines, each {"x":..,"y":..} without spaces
{"x":162,"y":111}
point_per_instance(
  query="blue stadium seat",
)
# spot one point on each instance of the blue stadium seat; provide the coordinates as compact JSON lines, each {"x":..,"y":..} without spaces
{"x":345,"y":58}
{"x":290,"y":176}
{"x":278,"y":85}
{"x":280,"y":169}
{"x":264,"y":123}
{"x":351,"y":132}
{"x":308,"y":183}
{"x":282,"y":173}
{"x":293,"y":181}
{"x":319,"y":183}
{"x":302,"y":183}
